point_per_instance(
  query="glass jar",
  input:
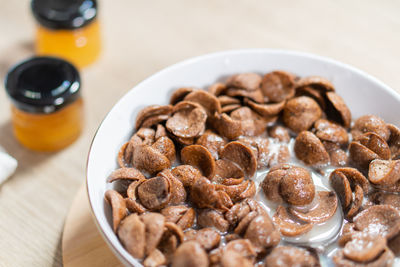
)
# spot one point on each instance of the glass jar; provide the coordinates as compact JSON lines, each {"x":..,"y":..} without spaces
{"x":68,"y":29}
{"x":47,"y":110}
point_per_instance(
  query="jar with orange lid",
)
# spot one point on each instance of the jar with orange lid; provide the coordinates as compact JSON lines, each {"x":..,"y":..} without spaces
{"x":47,"y":108}
{"x":68,"y":29}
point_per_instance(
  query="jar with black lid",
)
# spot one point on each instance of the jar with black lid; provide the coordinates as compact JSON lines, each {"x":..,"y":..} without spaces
{"x":47,"y":108}
{"x":68,"y":29}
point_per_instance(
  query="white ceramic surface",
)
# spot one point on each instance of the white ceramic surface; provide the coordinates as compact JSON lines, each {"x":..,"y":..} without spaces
{"x":363,"y":94}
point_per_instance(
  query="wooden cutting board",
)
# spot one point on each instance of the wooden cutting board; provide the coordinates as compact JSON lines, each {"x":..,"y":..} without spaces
{"x":82,"y":244}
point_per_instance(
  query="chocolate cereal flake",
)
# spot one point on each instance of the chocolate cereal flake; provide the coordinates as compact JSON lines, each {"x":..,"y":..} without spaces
{"x":300,"y":113}
{"x":309,"y":149}
{"x":370,"y":123}
{"x":208,"y":101}
{"x":324,"y":209}
{"x":383,"y":220}
{"x":199,"y":157}
{"x":242,"y":155}
{"x":151,"y":111}
{"x":118,"y":206}
{"x":337,"y":109}
{"x":315,"y":82}
{"x":190,"y":254}
{"x":290,"y":256}
{"x":278,"y":86}
{"x":188,"y":120}
{"x":179,"y":94}
{"x":289,"y":225}
{"x":248,"y":81}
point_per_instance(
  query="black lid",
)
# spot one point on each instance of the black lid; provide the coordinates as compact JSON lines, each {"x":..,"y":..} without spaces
{"x":64,"y":14}
{"x":43,"y":84}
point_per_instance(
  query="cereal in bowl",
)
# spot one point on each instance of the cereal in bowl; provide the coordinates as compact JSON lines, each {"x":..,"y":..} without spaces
{"x":258,"y":171}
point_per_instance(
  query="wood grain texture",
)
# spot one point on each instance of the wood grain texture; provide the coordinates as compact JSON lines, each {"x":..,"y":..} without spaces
{"x":82,"y":244}
{"x":141,"y":38}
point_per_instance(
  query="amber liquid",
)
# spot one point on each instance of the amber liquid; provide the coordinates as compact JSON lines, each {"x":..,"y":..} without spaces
{"x":48,"y":132}
{"x":80,"y":46}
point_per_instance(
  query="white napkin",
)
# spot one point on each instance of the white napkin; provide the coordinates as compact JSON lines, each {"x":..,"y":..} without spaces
{"x":7,"y":165}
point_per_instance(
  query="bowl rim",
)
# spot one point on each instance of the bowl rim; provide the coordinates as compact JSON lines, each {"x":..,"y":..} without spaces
{"x":179,"y":64}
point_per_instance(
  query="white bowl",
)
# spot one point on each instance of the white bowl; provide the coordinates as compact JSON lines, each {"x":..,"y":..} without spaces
{"x":363,"y":93}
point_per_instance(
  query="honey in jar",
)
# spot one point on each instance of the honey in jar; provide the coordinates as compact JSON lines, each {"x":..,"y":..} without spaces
{"x":47,"y":109}
{"x":68,"y":29}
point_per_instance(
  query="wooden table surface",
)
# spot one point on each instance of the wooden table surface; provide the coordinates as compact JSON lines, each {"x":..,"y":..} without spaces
{"x":142,"y":37}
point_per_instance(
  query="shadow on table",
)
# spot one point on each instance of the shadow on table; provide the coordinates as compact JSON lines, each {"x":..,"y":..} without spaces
{"x":26,"y":158}
{"x":57,"y":257}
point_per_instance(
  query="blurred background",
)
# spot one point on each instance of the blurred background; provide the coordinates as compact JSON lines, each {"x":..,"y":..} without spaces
{"x":140,"y":38}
